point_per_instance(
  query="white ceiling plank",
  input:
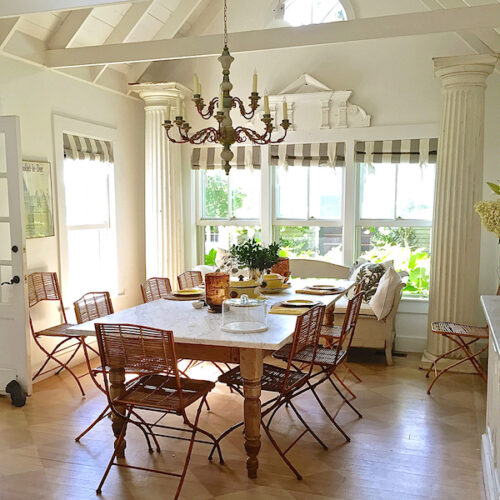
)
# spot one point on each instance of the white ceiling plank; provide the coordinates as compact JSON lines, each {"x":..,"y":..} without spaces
{"x":10,"y":8}
{"x":174,"y":23}
{"x":418,"y":23}
{"x":7,"y":29}
{"x":69,"y":29}
{"x":26,"y":47}
{"x":125,"y":29}
{"x":490,"y":37}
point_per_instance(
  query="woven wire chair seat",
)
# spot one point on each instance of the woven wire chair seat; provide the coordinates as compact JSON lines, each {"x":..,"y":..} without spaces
{"x":324,"y":356}
{"x":272,"y":378}
{"x":450,"y":328}
{"x":58,"y":331}
{"x":160,"y":391}
{"x":331,"y":333}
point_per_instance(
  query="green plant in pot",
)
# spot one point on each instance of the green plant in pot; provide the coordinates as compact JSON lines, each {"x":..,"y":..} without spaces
{"x":255,"y":256}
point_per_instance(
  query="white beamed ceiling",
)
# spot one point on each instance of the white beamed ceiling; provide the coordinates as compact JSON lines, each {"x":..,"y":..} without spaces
{"x":100,"y":22}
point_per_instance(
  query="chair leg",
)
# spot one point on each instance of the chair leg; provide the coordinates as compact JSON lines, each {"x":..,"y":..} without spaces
{"x":69,"y":359}
{"x":95,"y":422}
{"x":117,"y":446}
{"x":344,"y":398}
{"x":63,"y":365}
{"x":304,"y":423}
{"x":327,"y":413}
{"x":49,"y":357}
{"x":351,"y":372}
{"x":190,"y":449}
{"x":143,"y":422}
{"x":344,"y":385}
{"x":281,"y":454}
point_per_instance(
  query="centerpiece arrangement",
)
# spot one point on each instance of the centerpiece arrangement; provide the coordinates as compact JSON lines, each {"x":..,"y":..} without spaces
{"x":256,"y":257}
{"x":489,"y":211}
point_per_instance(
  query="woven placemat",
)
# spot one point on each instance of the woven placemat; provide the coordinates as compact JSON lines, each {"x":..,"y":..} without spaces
{"x":175,"y":297}
{"x":312,"y":291}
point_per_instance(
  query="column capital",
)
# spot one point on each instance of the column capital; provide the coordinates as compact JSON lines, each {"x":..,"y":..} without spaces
{"x":464,"y":70}
{"x":162,"y":94}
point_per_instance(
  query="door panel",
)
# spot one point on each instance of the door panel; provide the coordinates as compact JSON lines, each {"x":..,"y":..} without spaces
{"x":14,"y":333}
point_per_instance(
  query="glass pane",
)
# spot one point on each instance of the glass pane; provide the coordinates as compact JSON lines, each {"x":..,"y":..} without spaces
{"x":245,"y":193}
{"x":224,"y":236}
{"x":91,"y":261}
{"x":415,"y":191}
{"x":6,"y":292}
{"x":377,"y":191}
{"x":3,"y":154}
{"x":291,"y":193}
{"x":311,"y":242}
{"x":215,"y":195}
{"x":5,"y":245}
{"x":86,"y":185}
{"x":408,"y":247}
{"x":4,"y":198}
{"x":325,"y":188}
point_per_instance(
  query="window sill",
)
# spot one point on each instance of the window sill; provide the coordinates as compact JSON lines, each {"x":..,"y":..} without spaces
{"x":414,"y":305}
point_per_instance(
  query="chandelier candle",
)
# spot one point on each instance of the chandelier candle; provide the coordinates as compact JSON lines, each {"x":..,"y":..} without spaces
{"x":225,"y":134}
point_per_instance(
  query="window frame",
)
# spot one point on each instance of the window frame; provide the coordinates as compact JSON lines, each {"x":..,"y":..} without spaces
{"x":61,"y":125}
{"x":345,"y":4}
{"x":350,"y":206}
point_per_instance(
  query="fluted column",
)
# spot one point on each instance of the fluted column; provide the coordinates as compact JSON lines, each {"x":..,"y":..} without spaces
{"x":454,"y":285}
{"x":163,"y":189}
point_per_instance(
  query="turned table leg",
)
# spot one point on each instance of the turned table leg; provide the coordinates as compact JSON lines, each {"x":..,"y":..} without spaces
{"x":117,"y":379}
{"x":328,"y":319}
{"x":251,"y":370}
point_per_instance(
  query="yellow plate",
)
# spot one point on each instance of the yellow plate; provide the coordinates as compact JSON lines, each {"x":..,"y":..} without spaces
{"x":188,"y":292}
{"x":299,"y":303}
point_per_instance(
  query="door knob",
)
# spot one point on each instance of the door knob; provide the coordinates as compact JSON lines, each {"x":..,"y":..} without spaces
{"x":13,"y":281}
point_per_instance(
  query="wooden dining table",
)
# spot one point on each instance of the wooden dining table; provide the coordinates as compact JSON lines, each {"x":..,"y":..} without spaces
{"x":198,"y":336}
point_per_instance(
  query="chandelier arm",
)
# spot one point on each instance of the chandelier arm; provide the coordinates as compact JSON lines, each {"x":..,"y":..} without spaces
{"x":246,"y":114}
{"x":210,"y":110}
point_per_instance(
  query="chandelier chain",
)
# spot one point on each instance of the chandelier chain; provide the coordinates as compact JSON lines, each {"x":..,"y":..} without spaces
{"x":225,"y":23}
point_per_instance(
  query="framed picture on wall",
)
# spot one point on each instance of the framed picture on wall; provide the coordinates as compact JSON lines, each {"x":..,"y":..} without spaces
{"x":37,"y":187}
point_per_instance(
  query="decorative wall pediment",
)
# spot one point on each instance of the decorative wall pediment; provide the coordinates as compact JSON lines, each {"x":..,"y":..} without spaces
{"x":332,"y":107}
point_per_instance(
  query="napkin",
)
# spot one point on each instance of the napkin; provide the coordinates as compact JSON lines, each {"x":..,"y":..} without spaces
{"x":310,"y":291}
{"x":293,"y":311}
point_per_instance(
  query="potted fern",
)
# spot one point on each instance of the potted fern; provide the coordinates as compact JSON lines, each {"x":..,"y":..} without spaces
{"x":255,"y":256}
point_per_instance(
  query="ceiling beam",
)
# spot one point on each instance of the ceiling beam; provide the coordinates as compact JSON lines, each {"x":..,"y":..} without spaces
{"x":125,"y":29}
{"x":173,"y":24}
{"x":7,"y":28}
{"x":69,"y":29}
{"x":418,"y":23}
{"x":9,"y":8}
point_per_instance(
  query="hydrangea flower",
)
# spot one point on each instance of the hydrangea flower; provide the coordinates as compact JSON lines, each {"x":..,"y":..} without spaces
{"x":489,"y":211}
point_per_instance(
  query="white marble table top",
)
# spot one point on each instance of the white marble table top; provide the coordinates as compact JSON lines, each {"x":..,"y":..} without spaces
{"x":491,"y":306}
{"x":197,"y":326}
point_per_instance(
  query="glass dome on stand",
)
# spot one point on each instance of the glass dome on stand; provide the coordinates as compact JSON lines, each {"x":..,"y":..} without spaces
{"x":244,"y":315}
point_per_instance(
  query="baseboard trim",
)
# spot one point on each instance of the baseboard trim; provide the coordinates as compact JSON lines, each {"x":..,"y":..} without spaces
{"x":491,"y":488}
{"x":410,"y":344}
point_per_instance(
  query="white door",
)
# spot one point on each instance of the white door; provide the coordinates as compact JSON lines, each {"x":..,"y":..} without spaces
{"x":14,"y":326}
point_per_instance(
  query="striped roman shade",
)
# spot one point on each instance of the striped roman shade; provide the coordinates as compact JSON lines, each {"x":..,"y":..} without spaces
{"x":209,"y":158}
{"x":420,"y":151}
{"x":85,"y":148}
{"x":307,"y":155}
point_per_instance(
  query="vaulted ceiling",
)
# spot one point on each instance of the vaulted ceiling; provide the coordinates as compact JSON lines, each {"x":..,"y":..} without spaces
{"x":85,"y":38}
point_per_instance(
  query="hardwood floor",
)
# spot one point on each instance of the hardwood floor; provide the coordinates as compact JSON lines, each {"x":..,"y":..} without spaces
{"x":408,"y":445}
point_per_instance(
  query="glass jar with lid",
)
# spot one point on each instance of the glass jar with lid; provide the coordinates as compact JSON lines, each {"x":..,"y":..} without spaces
{"x":244,"y":315}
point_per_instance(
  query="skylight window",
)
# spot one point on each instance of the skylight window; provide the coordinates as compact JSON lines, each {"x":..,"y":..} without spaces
{"x":300,"y":12}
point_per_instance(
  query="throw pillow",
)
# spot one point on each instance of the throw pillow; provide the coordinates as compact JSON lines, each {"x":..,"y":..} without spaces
{"x":371,"y":273}
{"x":383,"y":299}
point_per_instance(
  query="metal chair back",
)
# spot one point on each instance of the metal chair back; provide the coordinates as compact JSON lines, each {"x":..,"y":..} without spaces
{"x":93,"y":305}
{"x":155,"y":288}
{"x":189,"y":279}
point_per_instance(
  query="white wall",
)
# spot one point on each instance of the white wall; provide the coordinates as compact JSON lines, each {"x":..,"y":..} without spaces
{"x":36,"y":94}
{"x":392,"y":79}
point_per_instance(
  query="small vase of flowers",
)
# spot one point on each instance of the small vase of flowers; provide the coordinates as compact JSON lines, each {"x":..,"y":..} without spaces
{"x":255,"y":256}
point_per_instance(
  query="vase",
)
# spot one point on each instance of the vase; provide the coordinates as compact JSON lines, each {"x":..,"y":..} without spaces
{"x":216,"y":290}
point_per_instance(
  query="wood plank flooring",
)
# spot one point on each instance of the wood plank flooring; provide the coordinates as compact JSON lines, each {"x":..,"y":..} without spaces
{"x":408,"y":446}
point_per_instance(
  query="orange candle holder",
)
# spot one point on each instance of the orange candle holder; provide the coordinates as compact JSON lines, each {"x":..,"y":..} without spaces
{"x":282,"y":267}
{"x":216,"y":291}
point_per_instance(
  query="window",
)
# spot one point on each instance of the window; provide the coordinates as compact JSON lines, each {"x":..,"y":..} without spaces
{"x":395,"y":213}
{"x":90,"y":225}
{"x":230,"y":209}
{"x":300,"y":12}
{"x":308,"y":211}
